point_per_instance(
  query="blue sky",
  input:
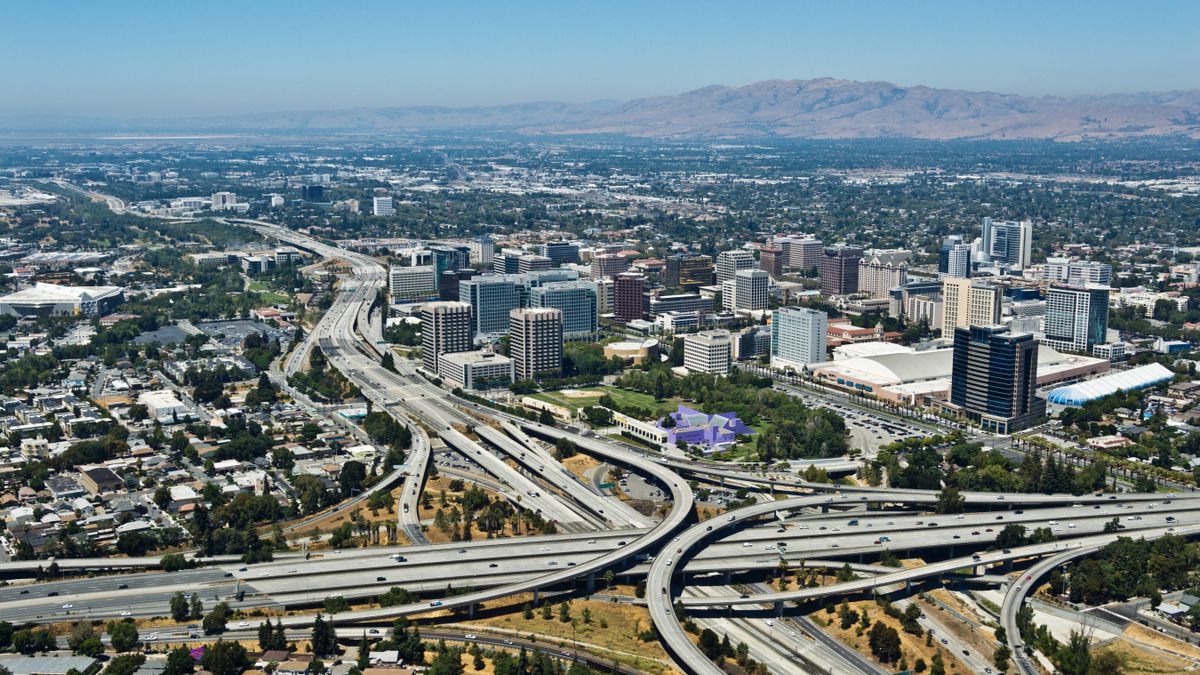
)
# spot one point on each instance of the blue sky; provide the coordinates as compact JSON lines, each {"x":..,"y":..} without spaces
{"x":182,"y":58}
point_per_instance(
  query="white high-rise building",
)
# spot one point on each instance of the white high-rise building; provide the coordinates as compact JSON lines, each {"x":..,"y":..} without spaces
{"x":728,"y":294}
{"x":799,"y":336}
{"x":751,"y":289}
{"x":411,"y":283}
{"x":606,"y":291}
{"x":879,"y":271}
{"x":381,"y":205}
{"x":1077,"y":272}
{"x":577,"y":302}
{"x":535,"y":342}
{"x":1076,"y":317}
{"x":1008,"y":242}
{"x":223,"y":201}
{"x":483,"y":249}
{"x":730,"y":262}
{"x":708,"y":352}
{"x":445,"y":329}
{"x":958,"y":261}
{"x":491,"y":298}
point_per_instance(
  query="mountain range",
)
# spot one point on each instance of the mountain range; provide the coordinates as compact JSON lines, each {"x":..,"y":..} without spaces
{"x":821,"y":108}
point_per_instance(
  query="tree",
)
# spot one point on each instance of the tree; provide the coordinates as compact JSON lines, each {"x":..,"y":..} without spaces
{"x":1108,"y":663}
{"x":81,"y":631}
{"x":30,"y":640}
{"x":710,"y":644}
{"x":324,"y":639}
{"x":447,"y":662}
{"x":195,"y":607}
{"x":1012,"y":535}
{"x":179,"y":607}
{"x":265,"y":636}
{"x":214,"y":622}
{"x":225,"y":658}
{"x":951,"y":501}
{"x":884,"y":642}
{"x":351,"y":479}
{"x":1000,"y":657}
{"x":937,"y":665}
{"x":92,"y":647}
{"x":564,"y":612}
{"x":180,"y":662}
{"x":565,"y":448}
{"x":1074,"y":657}
{"x":125,"y":664}
{"x":848,"y":616}
{"x":476,"y":657}
{"x":122,"y":635}
{"x":336,"y":603}
{"x":364,"y":654}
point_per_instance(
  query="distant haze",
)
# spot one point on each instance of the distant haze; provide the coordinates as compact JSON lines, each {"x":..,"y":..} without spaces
{"x":137,"y":59}
{"x":821,"y":108}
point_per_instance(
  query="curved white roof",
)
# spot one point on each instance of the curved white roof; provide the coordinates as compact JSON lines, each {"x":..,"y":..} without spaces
{"x":856,"y":350}
{"x":1135,"y":378}
{"x":896,"y":368}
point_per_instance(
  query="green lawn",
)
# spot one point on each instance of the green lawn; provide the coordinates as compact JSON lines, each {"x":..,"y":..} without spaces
{"x":268,"y":296}
{"x":623,"y":397}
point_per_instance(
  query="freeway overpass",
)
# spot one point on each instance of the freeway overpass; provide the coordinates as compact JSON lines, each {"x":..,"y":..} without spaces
{"x":660,"y":577}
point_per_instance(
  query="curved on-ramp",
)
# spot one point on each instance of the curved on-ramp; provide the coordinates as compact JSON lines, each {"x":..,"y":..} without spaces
{"x":1014,"y":598}
{"x":659,"y":593}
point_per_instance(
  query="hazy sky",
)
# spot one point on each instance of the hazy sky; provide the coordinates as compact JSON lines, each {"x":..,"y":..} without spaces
{"x":180,"y":58}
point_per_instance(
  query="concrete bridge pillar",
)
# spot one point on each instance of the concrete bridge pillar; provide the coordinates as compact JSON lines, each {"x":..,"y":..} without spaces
{"x":536,"y":596}
{"x":778,"y":608}
{"x":471,"y":610}
{"x":591,"y":583}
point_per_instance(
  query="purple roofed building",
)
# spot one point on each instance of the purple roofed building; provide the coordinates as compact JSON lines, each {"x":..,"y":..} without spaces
{"x":696,"y":428}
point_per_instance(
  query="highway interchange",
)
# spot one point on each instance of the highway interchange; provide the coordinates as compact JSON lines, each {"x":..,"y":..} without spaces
{"x":681,"y":559}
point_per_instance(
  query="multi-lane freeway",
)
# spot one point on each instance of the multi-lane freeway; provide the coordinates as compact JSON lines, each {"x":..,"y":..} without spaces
{"x":678,"y":556}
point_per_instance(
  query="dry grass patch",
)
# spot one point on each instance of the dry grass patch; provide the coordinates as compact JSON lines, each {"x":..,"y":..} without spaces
{"x":1153,"y":638}
{"x":614,"y":627}
{"x":434,"y":489}
{"x":1139,"y":660}
{"x":580,"y":465}
{"x":912,"y":646}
